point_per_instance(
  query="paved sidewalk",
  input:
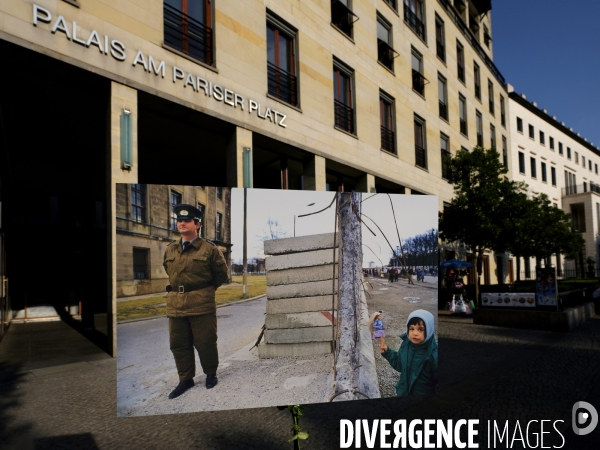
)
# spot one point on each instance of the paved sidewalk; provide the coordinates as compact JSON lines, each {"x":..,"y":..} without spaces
{"x":67,"y":399}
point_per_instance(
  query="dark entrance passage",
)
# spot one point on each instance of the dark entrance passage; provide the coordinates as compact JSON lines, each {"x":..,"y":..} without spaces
{"x":54,"y":188}
{"x":177,"y":145}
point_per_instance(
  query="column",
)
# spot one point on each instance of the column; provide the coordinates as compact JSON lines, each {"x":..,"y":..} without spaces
{"x":314,"y":174}
{"x":366,"y":183}
{"x":241,"y":138}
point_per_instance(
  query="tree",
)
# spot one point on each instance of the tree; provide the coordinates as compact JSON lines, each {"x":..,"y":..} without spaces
{"x":484,"y":211}
{"x":274,"y":232}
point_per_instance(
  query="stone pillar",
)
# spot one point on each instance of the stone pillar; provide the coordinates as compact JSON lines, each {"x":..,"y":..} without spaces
{"x":366,"y":183}
{"x":121,"y":97}
{"x":314,"y":174}
{"x":240,"y":139}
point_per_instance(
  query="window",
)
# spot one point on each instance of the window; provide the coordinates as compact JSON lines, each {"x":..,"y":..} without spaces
{"x":386,"y":112}
{"x":560,"y":148}
{"x":202,"y":230}
{"x":590,"y":165}
{"x":492,"y":136}
{"x":342,"y":17}
{"x":578,"y":217}
{"x":551,"y":139}
{"x":140,"y":263}
{"x":543,"y":166}
{"x":445,"y":148}
{"x":531,"y":132}
{"x":138,"y":202}
{"x":187,"y":28}
{"x":570,"y":183}
{"x":533,"y":167}
{"x":479,"y":126}
{"x":385,"y":52}
{"x":522,"y":163}
{"x":486,"y":36}
{"x":219,"y":192}
{"x":583,"y":161}
{"x":443,"y":97}
{"x":414,"y":16}
{"x":343,"y":98}
{"x":542,"y":138}
{"x":462,"y":108}
{"x":175,"y":200}
{"x":519,"y":124}
{"x":281,"y":61}
{"x":418,"y":80}
{"x":569,"y":152}
{"x":502,"y":112}
{"x":504,"y":152}
{"x":392,"y":3}
{"x":218,"y":227}
{"x":477,"y":79}
{"x":491,"y":96}
{"x":440,"y":39}
{"x":596,"y":168}
{"x":420,"y":143}
{"x":460,"y":61}
{"x":553,"y":175}
{"x":576,"y":156}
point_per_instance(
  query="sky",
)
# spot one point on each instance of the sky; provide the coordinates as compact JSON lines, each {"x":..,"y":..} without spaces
{"x":549,"y":50}
{"x":415,"y":215}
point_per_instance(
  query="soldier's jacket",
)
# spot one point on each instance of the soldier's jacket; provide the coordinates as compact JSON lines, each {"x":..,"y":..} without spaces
{"x":201,"y":265}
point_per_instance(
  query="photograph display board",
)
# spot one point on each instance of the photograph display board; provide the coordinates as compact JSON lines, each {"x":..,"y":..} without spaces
{"x":508,"y":299}
{"x":546,"y":287}
{"x":309,"y":296}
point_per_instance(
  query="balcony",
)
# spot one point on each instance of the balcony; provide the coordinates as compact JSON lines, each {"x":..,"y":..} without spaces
{"x":386,"y":54}
{"x":342,"y":17}
{"x":463,"y":127}
{"x":282,"y":84}
{"x":443,"y":110}
{"x":580,"y":189}
{"x":419,"y":82}
{"x":440,"y":50}
{"x":188,"y":35}
{"x":344,"y":116}
{"x":411,"y":19}
{"x":420,"y":157}
{"x":387,"y":140}
{"x":460,"y":5}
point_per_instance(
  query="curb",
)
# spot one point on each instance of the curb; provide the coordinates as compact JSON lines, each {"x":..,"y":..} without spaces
{"x":218,"y":306}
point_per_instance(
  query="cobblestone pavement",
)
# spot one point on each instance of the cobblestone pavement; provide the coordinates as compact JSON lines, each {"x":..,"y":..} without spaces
{"x":485,"y":373}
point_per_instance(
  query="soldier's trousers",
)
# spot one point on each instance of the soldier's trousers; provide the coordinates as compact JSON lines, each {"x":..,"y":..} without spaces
{"x":200,"y":332}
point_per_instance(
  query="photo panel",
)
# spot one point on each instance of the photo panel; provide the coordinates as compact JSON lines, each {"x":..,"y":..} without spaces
{"x":280,"y":297}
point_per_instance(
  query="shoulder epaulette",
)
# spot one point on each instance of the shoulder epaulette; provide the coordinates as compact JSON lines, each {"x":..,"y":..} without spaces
{"x":172,"y":242}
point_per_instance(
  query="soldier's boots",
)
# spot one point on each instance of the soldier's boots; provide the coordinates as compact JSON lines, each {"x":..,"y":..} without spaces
{"x":211,"y":381}
{"x":181,"y":388}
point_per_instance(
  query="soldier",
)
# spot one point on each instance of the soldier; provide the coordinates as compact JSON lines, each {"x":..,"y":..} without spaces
{"x":196,"y":268}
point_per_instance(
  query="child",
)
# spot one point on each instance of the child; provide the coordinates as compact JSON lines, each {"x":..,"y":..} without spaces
{"x":376,"y":325}
{"x":416,"y":359}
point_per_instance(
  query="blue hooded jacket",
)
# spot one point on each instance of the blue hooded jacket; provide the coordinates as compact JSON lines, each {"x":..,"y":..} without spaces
{"x":417,"y":364}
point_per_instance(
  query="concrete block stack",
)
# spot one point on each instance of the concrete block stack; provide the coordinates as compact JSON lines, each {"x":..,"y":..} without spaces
{"x":301,"y":284}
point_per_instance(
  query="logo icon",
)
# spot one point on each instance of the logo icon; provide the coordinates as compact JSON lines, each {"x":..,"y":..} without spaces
{"x":580,"y":418}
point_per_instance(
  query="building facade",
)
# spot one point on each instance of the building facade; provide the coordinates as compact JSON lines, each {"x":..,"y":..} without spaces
{"x":555,"y":160}
{"x":361,"y":95}
{"x":146,"y":225}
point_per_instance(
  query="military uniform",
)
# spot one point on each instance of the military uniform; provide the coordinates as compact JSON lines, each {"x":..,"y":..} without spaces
{"x":194,"y":275}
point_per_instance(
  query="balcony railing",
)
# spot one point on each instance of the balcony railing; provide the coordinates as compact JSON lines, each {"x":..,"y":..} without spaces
{"x":441,"y":50}
{"x":419,"y":82}
{"x":580,"y":188}
{"x":411,"y":19}
{"x":344,"y":116}
{"x":386,"y":54}
{"x":420,"y":157}
{"x":387,"y":139}
{"x":342,"y":17}
{"x":443,"y":110}
{"x":188,"y":35}
{"x":282,"y":84}
{"x":472,"y":40}
{"x":463,"y":127}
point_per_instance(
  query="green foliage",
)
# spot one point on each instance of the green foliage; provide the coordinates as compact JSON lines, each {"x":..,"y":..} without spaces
{"x":299,"y":435}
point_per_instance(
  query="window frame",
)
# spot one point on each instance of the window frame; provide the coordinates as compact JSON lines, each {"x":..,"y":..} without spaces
{"x":347,"y":7}
{"x":172,"y":196}
{"x":491,"y":102}
{"x":479,"y":128}
{"x":492,"y":136}
{"x":519,"y":125}
{"x":460,"y":61}
{"x":502,"y":112}
{"x":551,"y":142}
{"x":477,"y":80}
{"x":553,"y":175}
{"x":202,"y":208}
{"x":138,"y":211}
{"x":135,"y":266}
{"x":444,"y":138}
{"x":280,"y":27}
{"x":522,"y":168}
{"x":341,"y":69}
{"x":417,"y":76}
{"x":542,"y":137}
{"x":504,"y":151}
{"x":384,"y":99}
{"x":533,"y":167}
{"x":543,"y":171}
{"x":219,"y":226}
{"x":531,"y":132}
{"x":390,"y":42}
{"x":419,"y":122}
{"x":443,"y":105}
{"x":462,"y":100}
{"x":440,"y":39}
{"x":409,"y":14}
